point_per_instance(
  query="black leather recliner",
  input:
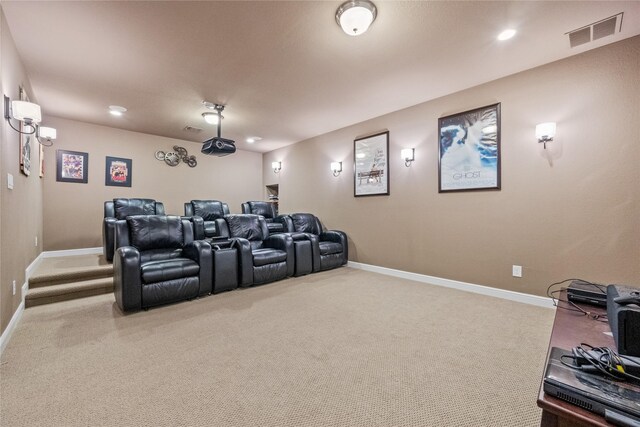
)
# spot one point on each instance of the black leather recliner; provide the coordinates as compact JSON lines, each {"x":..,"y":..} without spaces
{"x":268,"y":211}
{"x":209,"y":211}
{"x":118,"y":209}
{"x":263,"y":258}
{"x":158,"y":261}
{"x":330,"y":249}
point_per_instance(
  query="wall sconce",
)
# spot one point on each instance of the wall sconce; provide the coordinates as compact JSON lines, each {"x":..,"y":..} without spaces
{"x":408,"y":155}
{"x":545,"y":132}
{"x":47,"y":134}
{"x":29,"y":114}
{"x":277,"y":166}
{"x":25,"y":112}
{"x":336,"y":168}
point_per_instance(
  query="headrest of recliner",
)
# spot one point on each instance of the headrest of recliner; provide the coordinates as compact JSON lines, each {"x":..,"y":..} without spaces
{"x":247,"y":226}
{"x":127,"y":207}
{"x":306,"y":223}
{"x":209,"y":210}
{"x":155,"y":232}
{"x":262,"y":208}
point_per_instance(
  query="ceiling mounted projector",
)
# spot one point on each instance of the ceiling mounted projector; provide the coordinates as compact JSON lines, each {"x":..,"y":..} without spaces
{"x":218,"y":146}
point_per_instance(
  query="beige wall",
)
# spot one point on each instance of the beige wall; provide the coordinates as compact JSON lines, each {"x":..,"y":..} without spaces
{"x":20,"y":208}
{"x":73,"y":212}
{"x":570,"y":211}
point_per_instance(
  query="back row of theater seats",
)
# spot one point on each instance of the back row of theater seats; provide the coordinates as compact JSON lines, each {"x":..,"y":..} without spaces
{"x":166,"y":258}
{"x":208,"y":210}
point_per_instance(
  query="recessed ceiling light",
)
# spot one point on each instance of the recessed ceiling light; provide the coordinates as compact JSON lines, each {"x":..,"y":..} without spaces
{"x":506,"y":34}
{"x":116,"y":110}
{"x":253,"y":139}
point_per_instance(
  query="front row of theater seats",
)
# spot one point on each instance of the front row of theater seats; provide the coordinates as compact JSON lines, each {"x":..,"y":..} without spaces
{"x":163,"y":258}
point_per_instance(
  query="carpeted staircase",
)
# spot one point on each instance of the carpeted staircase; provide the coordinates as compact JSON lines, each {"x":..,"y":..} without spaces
{"x":65,"y":278}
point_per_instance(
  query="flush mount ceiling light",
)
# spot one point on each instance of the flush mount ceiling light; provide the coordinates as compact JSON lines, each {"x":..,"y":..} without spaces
{"x":355,"y":16}
{"x":212,"y":118}
{"x":253,"y":139}
{"x":116,"y":110}
{"x":506,"y":34}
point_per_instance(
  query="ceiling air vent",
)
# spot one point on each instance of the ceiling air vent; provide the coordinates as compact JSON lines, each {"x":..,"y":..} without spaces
{"x":192,"y":129}
{"x":597,"y":30}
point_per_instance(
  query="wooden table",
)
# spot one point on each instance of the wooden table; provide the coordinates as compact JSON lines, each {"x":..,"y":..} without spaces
{"x":569,"y":330}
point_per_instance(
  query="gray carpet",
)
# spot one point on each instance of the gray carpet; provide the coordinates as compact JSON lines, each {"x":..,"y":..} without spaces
{"x":339,"y":348}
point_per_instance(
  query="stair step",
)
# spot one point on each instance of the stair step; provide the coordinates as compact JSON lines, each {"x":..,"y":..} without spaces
{"x":68,"y":291}
{"x":78,"y":274}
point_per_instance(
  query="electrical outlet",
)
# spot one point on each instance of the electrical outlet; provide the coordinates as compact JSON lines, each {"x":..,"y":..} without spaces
{"x":36,"y":241}
{"x":13,"y":287}
{"x":517,"y":271}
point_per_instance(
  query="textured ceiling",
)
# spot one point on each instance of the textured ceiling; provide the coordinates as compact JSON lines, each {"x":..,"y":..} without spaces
{"x":286,"y":70}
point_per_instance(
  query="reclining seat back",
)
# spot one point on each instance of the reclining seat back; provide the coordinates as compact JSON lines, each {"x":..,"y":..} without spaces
{"x":250,"y":227}
{"x":164,"y":271}
{"x":119,"y":209}
{"x":267,"y":210}
{"x":209,"y":211}
{"x":263,"y":258}
{"x":332,"y":244}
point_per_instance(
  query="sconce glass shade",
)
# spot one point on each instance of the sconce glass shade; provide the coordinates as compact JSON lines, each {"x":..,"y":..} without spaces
{"x":545,"y":131}
{"x":407,"y":154}
{"x":47,"y":133}
{"x":336,"y":168}
{"x":27,"y":112}
{"x":355,"y":16}
{"x":276,"y":166}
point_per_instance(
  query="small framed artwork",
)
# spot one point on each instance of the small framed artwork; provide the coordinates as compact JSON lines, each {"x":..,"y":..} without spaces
{"x":117,"y":172}
{"x":469,"y":150}
{"x":371,"y":165}
{"x":72,"y":166}
{"x":26,"y":140}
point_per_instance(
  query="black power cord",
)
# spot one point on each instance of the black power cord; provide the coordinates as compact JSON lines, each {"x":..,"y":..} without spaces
{"x":602,"y":360}
{"x":552,"y":293}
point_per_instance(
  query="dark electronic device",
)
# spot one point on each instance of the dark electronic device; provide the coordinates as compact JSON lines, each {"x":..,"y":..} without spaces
{"x":587,"y":293}
{"x":623,"y":313}
{"x":218,"y":146}
{"x":618,"y":402}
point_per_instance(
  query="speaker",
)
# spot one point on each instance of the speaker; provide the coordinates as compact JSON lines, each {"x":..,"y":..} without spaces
{"x":623,"y":312}
{"x":217,"y":146}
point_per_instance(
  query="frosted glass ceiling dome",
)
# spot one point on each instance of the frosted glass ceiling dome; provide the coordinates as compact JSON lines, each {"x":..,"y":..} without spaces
{"x":355,"y":16}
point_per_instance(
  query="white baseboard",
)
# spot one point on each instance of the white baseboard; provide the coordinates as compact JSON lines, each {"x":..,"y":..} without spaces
{"x":72,"y":252}
{"x":463,"y":286}
{"x":13,"y":323}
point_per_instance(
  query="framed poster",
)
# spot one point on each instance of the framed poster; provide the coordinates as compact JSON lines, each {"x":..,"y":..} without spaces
{"x":469,"y":150}
{"x":26,"y":140}
{"x":371,"y":165}
{"x":117,"y":172}
{"x":72,"y":166}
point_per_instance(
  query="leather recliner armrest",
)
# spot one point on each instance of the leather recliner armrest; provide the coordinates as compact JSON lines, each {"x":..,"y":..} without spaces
{"x":198,"y":226}
{"x":127,"y":279}
{"x":200,"y":252}
{"x":245,"y":260}
{"x":108,"y":238}
{"x":337,"y":237}
{"x":284,"y":242}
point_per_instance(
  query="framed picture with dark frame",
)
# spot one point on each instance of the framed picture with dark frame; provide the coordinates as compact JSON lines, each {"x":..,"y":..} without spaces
{"x":371,"y":165}
{"x":72,"y":166}
{"x":469,"y":150}
{"x":117,"y":172}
